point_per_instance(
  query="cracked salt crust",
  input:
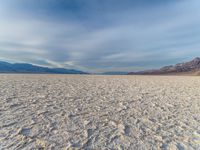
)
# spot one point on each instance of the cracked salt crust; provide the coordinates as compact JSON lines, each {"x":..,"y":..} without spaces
{"x":99,"y":112}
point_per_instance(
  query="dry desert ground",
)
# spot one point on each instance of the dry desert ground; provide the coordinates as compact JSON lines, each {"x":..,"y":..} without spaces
{"x":99,"y":112}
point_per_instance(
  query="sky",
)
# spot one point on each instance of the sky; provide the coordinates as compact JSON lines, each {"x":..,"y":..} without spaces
{"x":100,"y":35}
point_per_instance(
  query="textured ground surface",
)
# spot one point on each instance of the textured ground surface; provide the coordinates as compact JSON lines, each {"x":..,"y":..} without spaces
{"x":99,"y":112}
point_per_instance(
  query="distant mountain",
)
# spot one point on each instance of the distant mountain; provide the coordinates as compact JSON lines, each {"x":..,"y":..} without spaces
{"x":29,"y":68}
{"x":115,"y":73}
{"x":191,"y":67}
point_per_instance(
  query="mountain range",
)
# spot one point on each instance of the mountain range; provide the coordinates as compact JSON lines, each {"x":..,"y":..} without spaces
{"x":186,"y":68}
{"x":6,"y":67}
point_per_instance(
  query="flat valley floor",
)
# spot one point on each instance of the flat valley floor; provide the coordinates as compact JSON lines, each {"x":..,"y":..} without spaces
{"x":99,"y":112}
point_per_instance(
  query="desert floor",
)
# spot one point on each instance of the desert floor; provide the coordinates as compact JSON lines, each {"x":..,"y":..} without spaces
{"x":99,"y":112}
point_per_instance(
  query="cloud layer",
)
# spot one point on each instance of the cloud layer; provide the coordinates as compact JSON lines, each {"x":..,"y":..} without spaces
{"x":98,"y":36}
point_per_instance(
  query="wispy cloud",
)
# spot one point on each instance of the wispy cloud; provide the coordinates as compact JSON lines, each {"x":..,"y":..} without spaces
{"x":93,"y":36}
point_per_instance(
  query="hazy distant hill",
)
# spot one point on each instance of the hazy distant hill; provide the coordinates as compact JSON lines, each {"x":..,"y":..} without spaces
{"x":191,"y":67}
{"x":115,"y":73}
{"x":29,"y":68}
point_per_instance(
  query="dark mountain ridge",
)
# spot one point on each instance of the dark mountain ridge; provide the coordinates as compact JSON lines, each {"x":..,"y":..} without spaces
{"x":191,"y":67}
{"x":6,"y":67}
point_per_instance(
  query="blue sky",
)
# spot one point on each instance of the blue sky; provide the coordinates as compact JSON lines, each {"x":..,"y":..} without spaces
{"x":100,"y":35}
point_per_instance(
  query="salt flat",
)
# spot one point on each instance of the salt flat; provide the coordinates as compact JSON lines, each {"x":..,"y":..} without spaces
{"x":99,"y":112}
